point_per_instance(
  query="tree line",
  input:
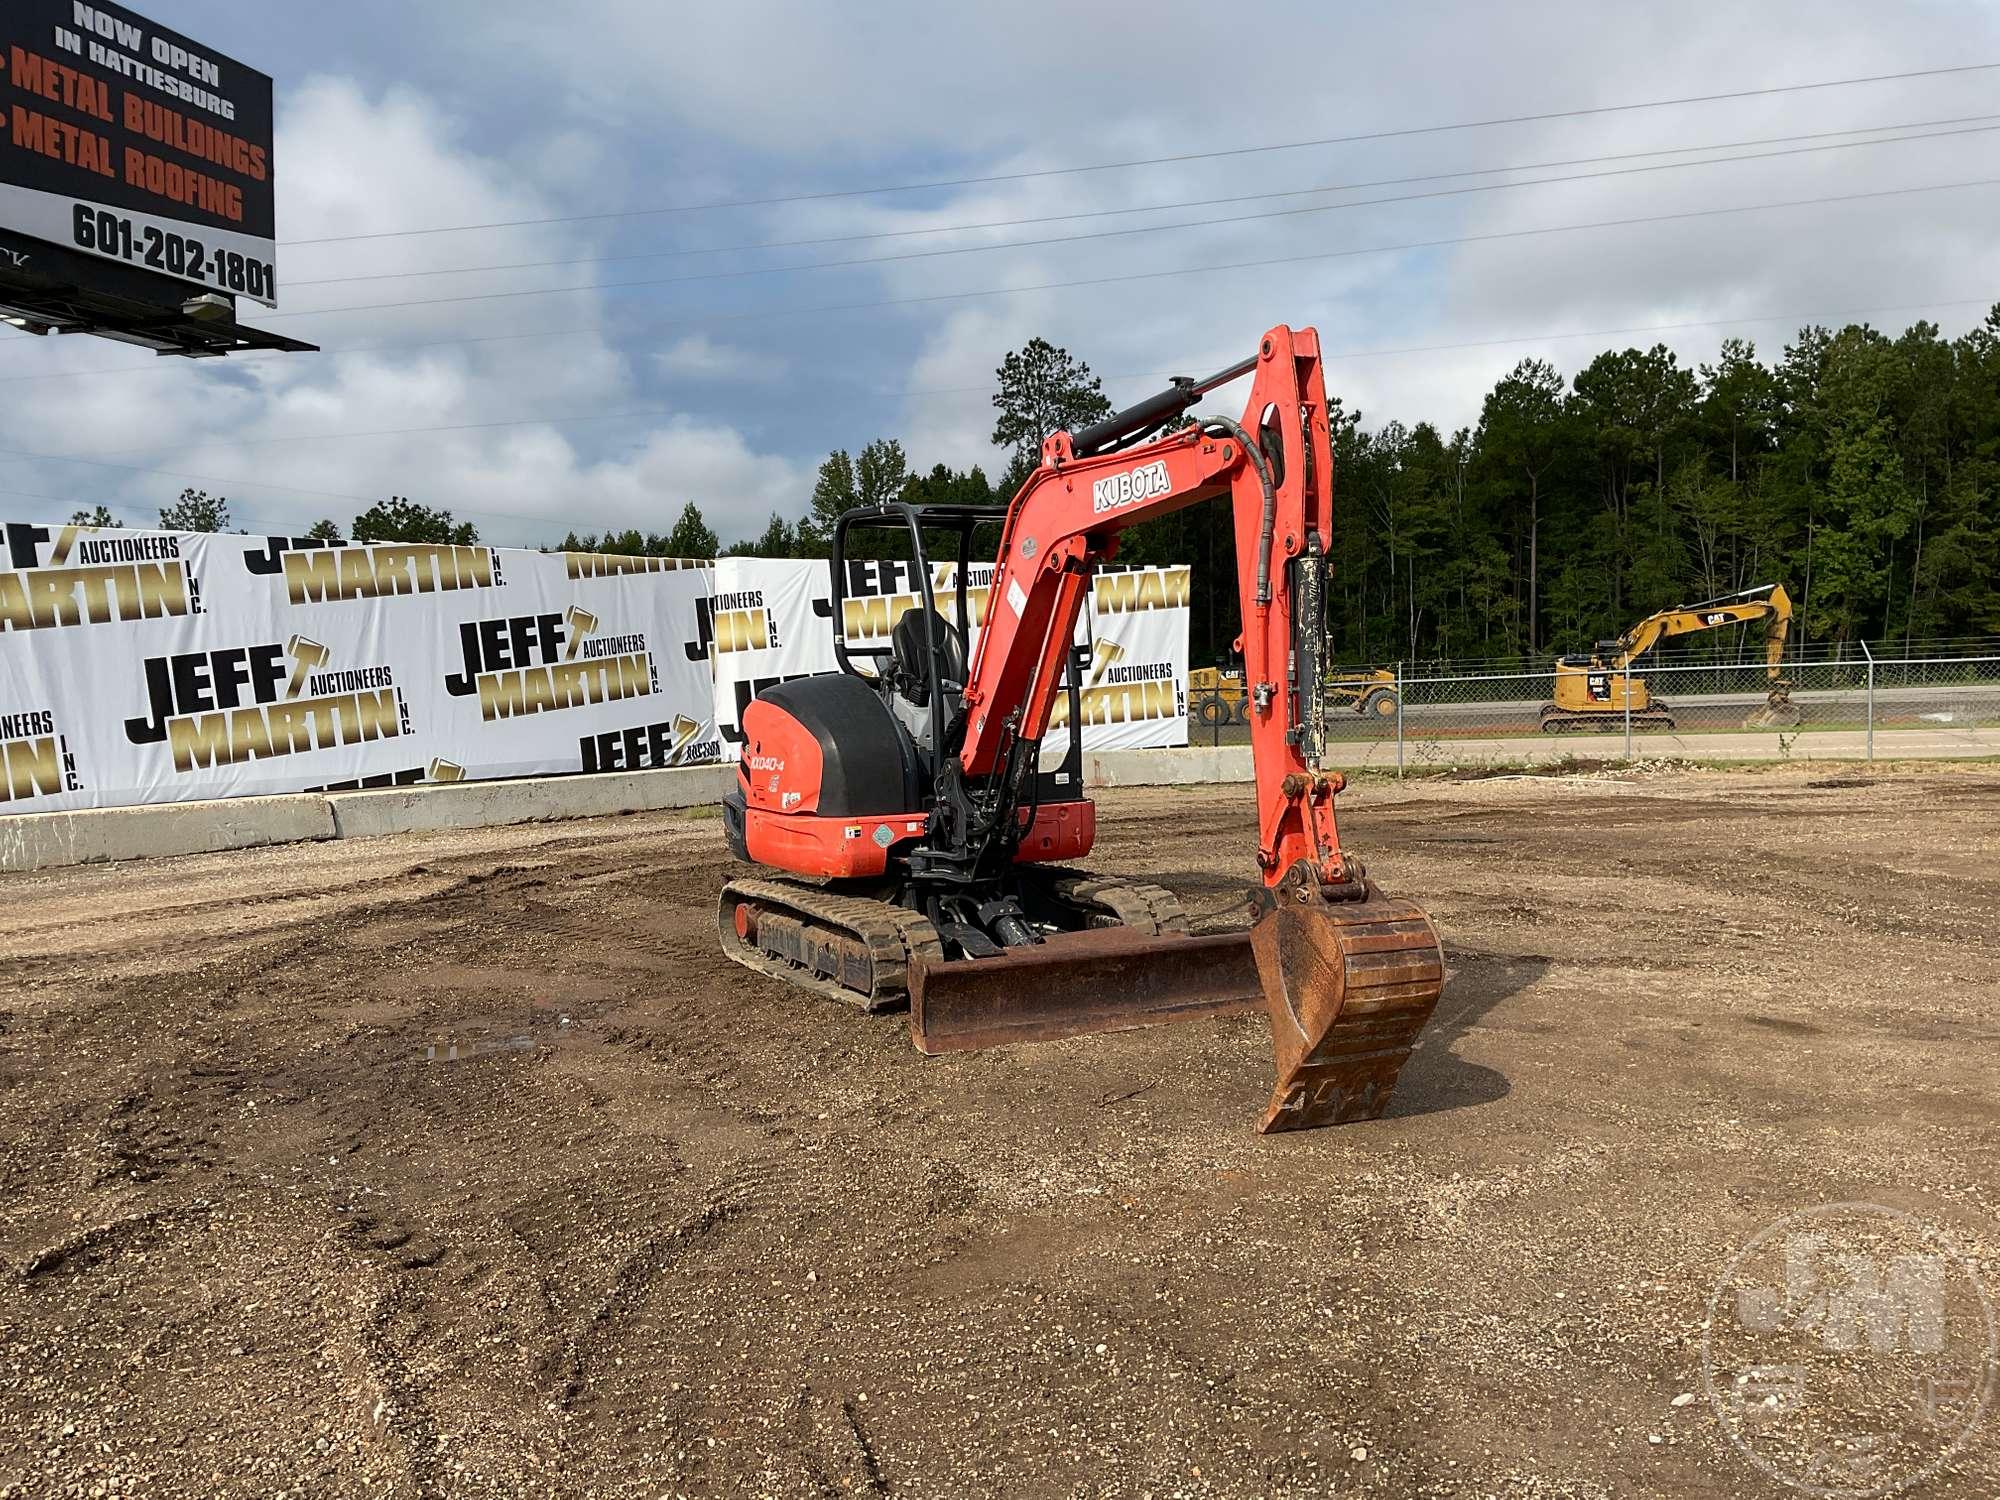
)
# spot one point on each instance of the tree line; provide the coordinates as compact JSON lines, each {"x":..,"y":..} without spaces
{"x":397,"y":519}
{"x":1857,"y":469}
{"x":1860,"y":470}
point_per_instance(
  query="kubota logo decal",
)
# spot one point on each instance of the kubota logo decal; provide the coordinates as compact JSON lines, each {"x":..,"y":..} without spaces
{"x":1117,"y":490}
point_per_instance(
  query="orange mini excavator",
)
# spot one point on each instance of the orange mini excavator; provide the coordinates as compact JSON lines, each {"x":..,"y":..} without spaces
{"x":926,"y":840}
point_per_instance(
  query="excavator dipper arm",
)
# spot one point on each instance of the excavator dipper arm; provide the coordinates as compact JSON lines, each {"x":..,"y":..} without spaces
{"x":1766,"y":602}
{"x":1276,"y":469}
{"x":1349,"y":975}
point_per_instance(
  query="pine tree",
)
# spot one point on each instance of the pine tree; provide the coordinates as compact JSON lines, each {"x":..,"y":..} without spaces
{"x":691,"y":536}
{"x":196,"y":511}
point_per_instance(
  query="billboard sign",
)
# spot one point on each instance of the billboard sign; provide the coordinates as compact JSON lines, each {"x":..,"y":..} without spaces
{"x":123,"y":141}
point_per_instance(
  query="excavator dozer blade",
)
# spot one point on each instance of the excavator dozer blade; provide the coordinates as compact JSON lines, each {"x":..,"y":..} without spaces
{"x":1073,"y":983}
{"x":1349,"y":985}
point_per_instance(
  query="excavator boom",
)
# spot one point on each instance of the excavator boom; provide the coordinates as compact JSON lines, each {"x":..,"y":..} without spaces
{"x":1766,"y":602}
{"x":989,"y":942}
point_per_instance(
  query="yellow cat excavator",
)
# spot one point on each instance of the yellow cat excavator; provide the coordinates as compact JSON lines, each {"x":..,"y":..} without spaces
{"x":1599,"y":690}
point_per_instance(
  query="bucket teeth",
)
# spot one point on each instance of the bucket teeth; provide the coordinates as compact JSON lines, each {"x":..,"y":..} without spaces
{"x":1349,"y":987}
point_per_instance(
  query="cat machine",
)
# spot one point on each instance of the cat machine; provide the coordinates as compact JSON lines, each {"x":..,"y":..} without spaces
{"x":1600,"y":690}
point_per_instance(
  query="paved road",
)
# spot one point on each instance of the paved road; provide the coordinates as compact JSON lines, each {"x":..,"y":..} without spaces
{"x":1982,"y":699}
{"x":1833,"y":744}
{"x":1970,"y":706}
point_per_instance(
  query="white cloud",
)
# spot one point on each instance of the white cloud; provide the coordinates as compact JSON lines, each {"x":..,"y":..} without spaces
{"x":699,"y":357}
{"x":528,"y":437}
{"x":759,"y":100}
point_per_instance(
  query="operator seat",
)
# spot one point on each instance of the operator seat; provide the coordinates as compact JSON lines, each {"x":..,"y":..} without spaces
{"x":919,"y":638}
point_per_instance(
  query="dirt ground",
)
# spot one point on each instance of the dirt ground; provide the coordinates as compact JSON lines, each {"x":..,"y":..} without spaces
{"x":460,"y":1165}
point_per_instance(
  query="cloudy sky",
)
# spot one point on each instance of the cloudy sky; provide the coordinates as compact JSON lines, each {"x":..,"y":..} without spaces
{"x":746,"y":341}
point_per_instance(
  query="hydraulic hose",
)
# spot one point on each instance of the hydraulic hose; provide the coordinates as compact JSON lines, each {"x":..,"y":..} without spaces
{"x":1224,"y":427}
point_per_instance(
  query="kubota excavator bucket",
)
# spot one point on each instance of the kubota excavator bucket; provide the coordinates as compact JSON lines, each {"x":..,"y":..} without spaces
{"x":1349,"y":986}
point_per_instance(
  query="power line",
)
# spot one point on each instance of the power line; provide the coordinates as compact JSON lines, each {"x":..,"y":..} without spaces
{"x":1107,"y":234}
{"x":983,"y":390}
{"x":255,"y":484}
{"x":1317,"y":255}
{"x":1516,"y":340}
{"x":761,"y":314}
{"x":77,"y":502}
{"x":1403,"y":132}
{"x":1106,"y":213}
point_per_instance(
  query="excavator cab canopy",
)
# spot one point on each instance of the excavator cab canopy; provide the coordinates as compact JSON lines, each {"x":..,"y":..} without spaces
{"x":940,"y":576}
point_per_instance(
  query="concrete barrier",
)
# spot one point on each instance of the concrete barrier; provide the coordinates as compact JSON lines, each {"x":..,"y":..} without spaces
{"x":1441,"y":752}
{"x":38,"y":841}
{"x":487,"y":804}
{"x":1192,"y":765}
{"x":41,"y":841}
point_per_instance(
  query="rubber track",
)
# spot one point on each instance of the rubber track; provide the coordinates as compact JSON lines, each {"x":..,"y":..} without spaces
{"x":896,"y":937}
{"x":1608,"y":723}
{"x":1124,"y":903}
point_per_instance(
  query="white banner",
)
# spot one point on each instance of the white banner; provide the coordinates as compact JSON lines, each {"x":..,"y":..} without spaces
{"x":167,"y":666}
{"x":1134,"y":694}
{"x":141,"y":666}
{"x":768,"y":621}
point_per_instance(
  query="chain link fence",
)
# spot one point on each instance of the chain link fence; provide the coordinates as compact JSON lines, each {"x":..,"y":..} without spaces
{"x":1860,"y":706}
